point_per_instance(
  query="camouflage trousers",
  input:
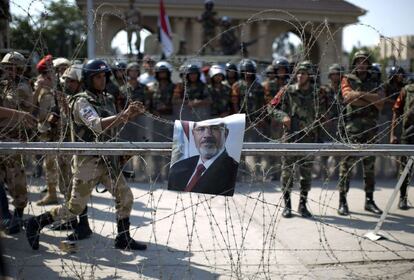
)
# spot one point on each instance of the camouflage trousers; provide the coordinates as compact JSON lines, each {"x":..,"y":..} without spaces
{"x":368,"y":163}
{"x":13,"y":174}
{"x":58,"y":173}
{"x":345,"y":170}
{"x":288,"y":173}
{"x":88,"y":172}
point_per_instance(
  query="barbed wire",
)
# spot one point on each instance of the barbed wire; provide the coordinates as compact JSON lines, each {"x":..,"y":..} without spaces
{"x":241,"y":239}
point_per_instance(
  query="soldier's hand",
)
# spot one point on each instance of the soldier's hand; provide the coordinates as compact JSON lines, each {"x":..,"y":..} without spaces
{"x":134,"y":109}
{"x":286,"y":122}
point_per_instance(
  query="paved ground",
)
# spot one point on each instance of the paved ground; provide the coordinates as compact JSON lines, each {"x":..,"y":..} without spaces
{"x":244,"y":237}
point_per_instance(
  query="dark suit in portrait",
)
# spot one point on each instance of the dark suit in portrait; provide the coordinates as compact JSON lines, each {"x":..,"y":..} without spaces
{"x":219,"y":178}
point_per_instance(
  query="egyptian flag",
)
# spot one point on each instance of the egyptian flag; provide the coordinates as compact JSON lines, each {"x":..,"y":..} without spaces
{"x":165,"y":32}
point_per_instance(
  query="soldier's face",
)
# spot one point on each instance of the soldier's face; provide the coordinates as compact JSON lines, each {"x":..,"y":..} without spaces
{"x":72,"y":86}
{"x":209,"y":139}
{"x":133,"y":73}
{"x":218,"y":78}
{"x":11,"y":71}
{"x":302,"y":77}
{"x":99,"y":81}
{"x":334,"y":77}
{"x":362,"y":64}
{"x":193,"y":77}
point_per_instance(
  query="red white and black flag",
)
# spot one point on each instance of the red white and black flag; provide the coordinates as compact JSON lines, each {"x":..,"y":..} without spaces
{"x":165,"y":32}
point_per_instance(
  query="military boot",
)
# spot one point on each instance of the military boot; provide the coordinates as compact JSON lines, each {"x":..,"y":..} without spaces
{"x":403,"y":203}
{"x":287,"y":211}
{"x":302,"y":209}
{"x":370,"y":205}
{"x":33,"y":227}
{"x":123,"y":239}
{"x":50,"y":198}
{"x":82,"y":230}
{"x":343,"y":209}
{"x":16,"y":222}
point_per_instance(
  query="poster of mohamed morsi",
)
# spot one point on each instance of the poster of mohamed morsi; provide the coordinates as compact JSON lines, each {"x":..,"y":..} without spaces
{"x":206,"y":155}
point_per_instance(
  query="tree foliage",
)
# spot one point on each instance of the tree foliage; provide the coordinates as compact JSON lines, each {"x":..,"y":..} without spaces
{"x":60,"y":31}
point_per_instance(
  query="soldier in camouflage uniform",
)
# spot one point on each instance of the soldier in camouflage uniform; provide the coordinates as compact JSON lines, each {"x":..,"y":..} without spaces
{"x":94,"y":119}
{"x":193,"y":94}
{"x":228,"y":40}
{"x":219,"y":92}
{"x":51,"y":128}
{"x":232,"y":74}
{"x":15,"y":93}
{"x":209,"y":22}
{"x":404,"y":109}
{"x":363,"y":97}
{"x":117,"y":80}
{"x":248,"y":97}
{"x":298,"y":113}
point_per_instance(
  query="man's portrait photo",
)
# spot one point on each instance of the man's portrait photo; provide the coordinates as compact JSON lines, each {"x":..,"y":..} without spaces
{"x":206,"y":155}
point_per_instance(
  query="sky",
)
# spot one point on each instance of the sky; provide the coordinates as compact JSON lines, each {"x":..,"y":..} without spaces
{"x":389,"y":17}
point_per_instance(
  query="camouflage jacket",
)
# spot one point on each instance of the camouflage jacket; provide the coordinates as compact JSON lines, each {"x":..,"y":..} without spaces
{"x":248,"y":99}
{"x":404,"y":106}
{"x":160,"y":100}
{"x":302,"y":107}
{"x":220,"y":97}
{"x":87,"y":109}
{"x":271,"y":88}
{"x":360,"y":119}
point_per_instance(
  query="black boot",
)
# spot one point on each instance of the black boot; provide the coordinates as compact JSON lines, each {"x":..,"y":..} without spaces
{"x":403,"y":203}
{"x":343,"y":209}
{"x":302,"y":209}
{"x":287,"y":211}
{"x":33,"y":227}
{"x":370,"y":205}
{"x":16,"y":222}
{"x":123,"y":240}
{"x":82,"y":230}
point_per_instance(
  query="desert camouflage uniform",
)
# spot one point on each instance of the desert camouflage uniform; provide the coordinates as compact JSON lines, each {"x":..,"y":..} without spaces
{"x":87,"y":109}
{"x":15,"y":95}
{"x":58,"y":168}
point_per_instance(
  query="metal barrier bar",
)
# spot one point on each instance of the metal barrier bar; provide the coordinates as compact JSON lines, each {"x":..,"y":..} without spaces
{"x":270,"y":149}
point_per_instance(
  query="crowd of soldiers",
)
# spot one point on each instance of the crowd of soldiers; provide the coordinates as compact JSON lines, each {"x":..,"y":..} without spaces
{"x":94,"y":101}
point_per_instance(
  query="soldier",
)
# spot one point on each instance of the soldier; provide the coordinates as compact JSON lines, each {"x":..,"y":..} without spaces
{"x":248,"y":97}
{"x":52,"y":124}
{"x":270,"y":84}
{"x":232,"y":74}
{"x":228,"y":40}
{"x":15,"y":93}
{"x":117,"y":80}
{"x":160,"y":96}
{"x":133,"y":25}
{"x":395,"y":82}
{"x":219,"y":92}
{"x":194,"y":93}
{"x":298,"y":114}
{"x":364,"y":99}
{"x":282,"y":68}
{"x":209,"y":22}
{"x":404,"y":109}
{"x":94,"y":119}
{"x":148,"y":76}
